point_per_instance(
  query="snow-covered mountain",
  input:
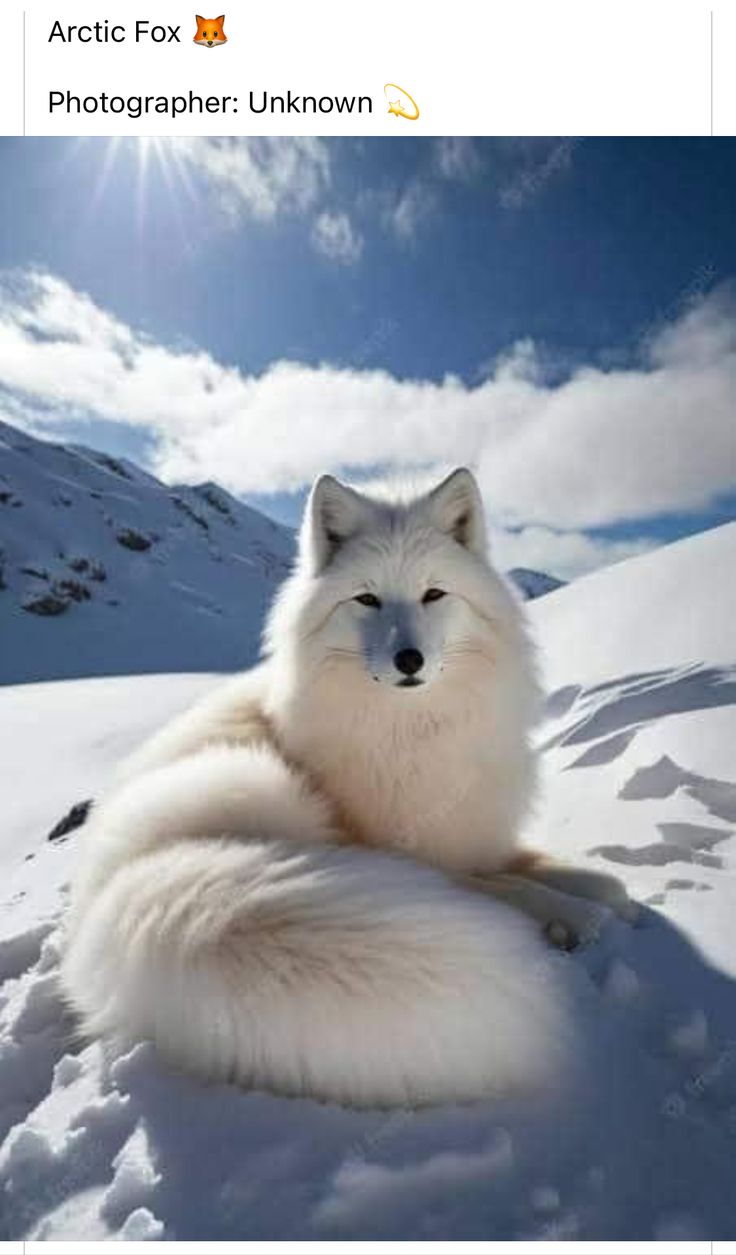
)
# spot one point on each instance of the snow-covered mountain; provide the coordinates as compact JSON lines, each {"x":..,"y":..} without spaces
{"x":639,"y":778}
{"x":533,"y":584}
{"x":104,"y":570}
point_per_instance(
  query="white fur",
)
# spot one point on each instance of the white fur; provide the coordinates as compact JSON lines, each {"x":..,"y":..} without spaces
{"x":228,"y":903}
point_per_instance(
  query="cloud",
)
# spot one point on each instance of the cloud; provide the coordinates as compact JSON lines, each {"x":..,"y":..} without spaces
{"x":260,"y":177}
{"x":565,"y":554}
{"x":458,"y":157}
{"x":334,"y":235}
{"x":536,"y":163}
{"x":405,"y":212}
{"x":272,"y":176}
{"x":518,"y":169}
{"x":553,"y":458}
{"x":267,"y":177}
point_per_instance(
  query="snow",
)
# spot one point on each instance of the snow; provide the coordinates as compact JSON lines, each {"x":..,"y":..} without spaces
{"x":638,"y":779}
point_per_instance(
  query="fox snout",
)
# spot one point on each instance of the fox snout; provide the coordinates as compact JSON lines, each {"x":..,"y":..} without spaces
{"x":397,"y":649}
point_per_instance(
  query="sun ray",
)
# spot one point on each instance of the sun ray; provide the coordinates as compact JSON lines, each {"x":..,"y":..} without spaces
{"x":109,"y":161}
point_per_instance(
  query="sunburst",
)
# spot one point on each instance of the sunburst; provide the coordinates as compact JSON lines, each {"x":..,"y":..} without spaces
{"x":157,"y":164}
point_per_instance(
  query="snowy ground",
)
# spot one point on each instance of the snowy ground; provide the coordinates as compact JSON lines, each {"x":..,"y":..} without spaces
{"x":639,"y":779}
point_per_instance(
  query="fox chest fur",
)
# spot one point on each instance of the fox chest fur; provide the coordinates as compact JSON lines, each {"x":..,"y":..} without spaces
{"x":431,"y":780}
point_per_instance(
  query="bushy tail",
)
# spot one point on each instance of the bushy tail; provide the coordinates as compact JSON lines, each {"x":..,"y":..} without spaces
{"x":337,"y":972}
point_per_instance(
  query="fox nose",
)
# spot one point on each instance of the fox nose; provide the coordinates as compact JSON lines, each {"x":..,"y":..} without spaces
{"x":210,"y":43}
{"x":408,"y":661}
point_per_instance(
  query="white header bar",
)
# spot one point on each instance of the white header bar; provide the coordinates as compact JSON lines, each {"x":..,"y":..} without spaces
{"x":294,"y":68}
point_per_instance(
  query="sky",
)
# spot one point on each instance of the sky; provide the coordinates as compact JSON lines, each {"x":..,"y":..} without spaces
{"x":559,"y":314}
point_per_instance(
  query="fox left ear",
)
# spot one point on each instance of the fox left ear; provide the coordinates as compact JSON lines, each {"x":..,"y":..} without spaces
{"x":456,"y":508}
{"x":333,"y":514}
{"x":220,"y":20}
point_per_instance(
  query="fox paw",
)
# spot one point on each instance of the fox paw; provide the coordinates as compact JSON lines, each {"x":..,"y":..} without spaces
{"x":578,"y":923}
{"x":597,"y":888}
{"x":561,"y":935}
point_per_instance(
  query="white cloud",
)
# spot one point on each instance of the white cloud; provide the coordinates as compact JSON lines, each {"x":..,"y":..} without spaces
{"x":334,"y":235}
{"x":266,"y":177}
{"x":406,"y":212}
{"x":262,"y":176}
{"x":458,"y":157}
{"x":599,"y":447}
{"x":565,"y":554}
{"x":539,"y":161}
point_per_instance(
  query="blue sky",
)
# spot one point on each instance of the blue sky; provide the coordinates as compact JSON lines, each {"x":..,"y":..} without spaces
{"x":559,"y":313}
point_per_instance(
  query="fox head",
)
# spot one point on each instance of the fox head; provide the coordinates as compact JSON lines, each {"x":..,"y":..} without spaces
{"x":394,"y":588}
{"x":210,"y":31}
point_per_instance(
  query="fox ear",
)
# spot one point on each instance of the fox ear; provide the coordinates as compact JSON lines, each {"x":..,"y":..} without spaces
{"x":456,"y":508}
{"x":199,"y":19}
{"x":333,"y":514}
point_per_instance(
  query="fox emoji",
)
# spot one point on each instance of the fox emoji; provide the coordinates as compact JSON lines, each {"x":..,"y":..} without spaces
{"x":210,"y":31}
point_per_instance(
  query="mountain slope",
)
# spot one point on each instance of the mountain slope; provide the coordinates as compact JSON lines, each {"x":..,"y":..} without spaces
{"x":105,"y":570}
{"x":533,"y":584}
{"x":639,"y":779}
{"x":640,"y":664}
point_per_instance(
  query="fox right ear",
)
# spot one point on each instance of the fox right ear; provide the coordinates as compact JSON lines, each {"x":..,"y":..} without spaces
{"x":333,"y":514}
{"x":457,"y":509}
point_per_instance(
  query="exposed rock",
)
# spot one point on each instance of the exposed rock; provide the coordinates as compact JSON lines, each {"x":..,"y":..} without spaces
{"x":73,"y":589}
{"x":130,"y":539}
{"x":45,"y":604}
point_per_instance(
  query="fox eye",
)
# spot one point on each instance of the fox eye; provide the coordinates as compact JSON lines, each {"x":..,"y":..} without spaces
{"x":433,"y":594}
{"x":368,"y":599}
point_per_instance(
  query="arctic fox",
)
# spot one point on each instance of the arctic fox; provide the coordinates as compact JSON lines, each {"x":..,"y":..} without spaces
{"x":308,"y":881}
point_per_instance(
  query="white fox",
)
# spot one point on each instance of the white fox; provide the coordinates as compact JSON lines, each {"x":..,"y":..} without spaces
{"x":282,"y":889}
